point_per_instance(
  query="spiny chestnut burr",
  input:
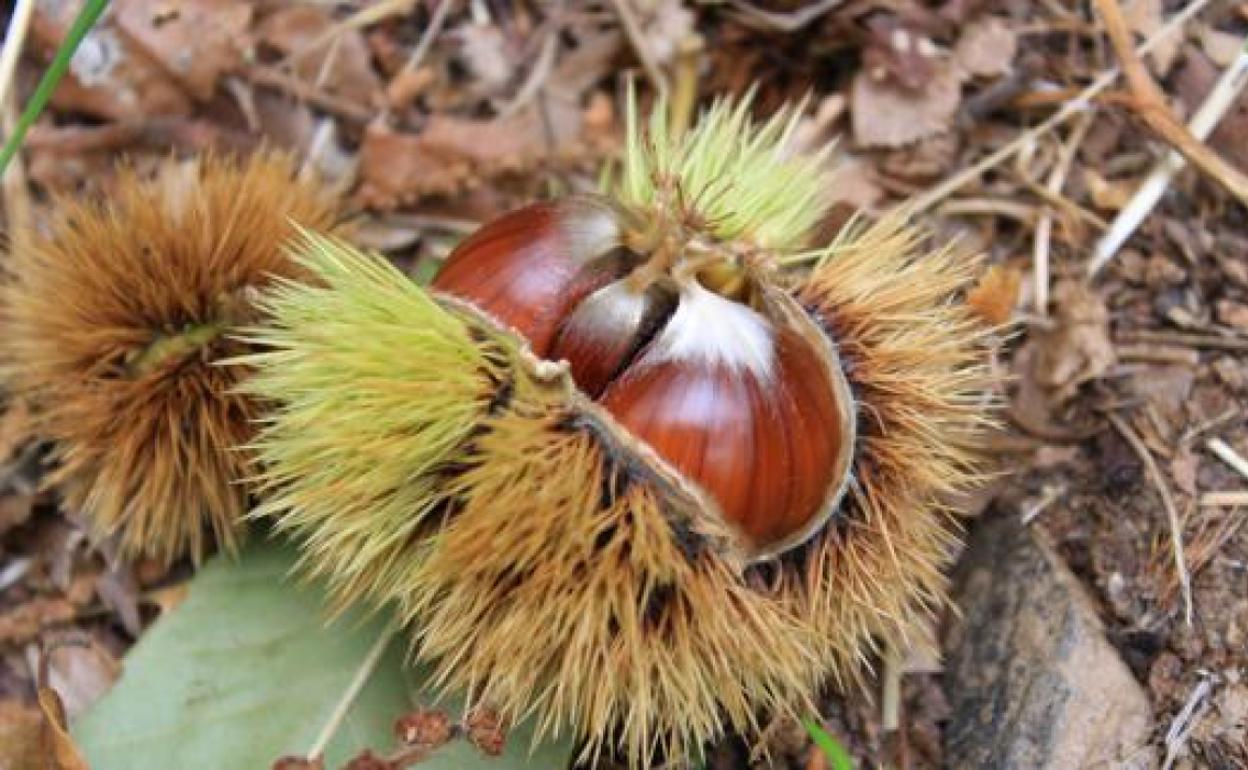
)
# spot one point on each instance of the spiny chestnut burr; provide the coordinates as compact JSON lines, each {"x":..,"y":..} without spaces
{"x":114,"y":320}
{"x":646,"y":465}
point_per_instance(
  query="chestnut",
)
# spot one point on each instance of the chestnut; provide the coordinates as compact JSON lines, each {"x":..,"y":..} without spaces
{"x":700,"y":359}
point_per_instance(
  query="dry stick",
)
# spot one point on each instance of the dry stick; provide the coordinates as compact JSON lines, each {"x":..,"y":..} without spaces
{"x":362,"y":18}
{"x":362,"y":674}
{"x":938,"y":193}
{"x":639,"y":45}
{"x":1224,"y":94}
{"x":1167,"y":502}
{"x":537,"y":75}
{"x":427,"y":37}
{"x":1150,"y":106}
{"x":16,"y":197}
{"x":784,"y":22}
{"x":14,"y":40}
{"x":1224,"y":499}
{"x":1228,"y":455}
{"x":1183,"y":722}
{"x":1044,"y":228}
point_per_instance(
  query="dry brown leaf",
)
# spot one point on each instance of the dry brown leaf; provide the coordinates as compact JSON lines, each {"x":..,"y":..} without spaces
{"x":1078,"y":347}
{"x":886,"y":115}
{"x":59,"y":750}
{"x":453,"y":154}
{"x":110,"y":76}
{"x":80,"y":672}
{"x":27,"y":620}
{"x":1183,"y":469}
{"x":898,"y":54}
{"x":15,"y":510}
{"x":986,"y":48}
{"x":341,"y":67}
{"x":1233,"y":313}
{"x":1221,"y":47}
{"x":1108,"y":195}
{"x":196,"y":41}
{"x":667,"y":23}
{"x":21,"y":737}
{"x":996,"y":295}
{"x":854,"y":183}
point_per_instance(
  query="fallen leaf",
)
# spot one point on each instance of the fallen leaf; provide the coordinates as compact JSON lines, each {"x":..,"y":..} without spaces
{"x":996,"y":295}
{"x":80,"y":671}
{"x":1107,"y":195}
{"x":196,"y":41}
{"x":453,"y":154}
{"x":59,"y":749}
{"x":21,"y":737}
{"x":27,"y":620}
{"x":664,"y":27}
{"x":1183,"y":469}
{"x":342,"y":67}
{"x":110,"y":76}
{"x":898,"y":54}
{"x":1222,"y":48}
{"x":886,"y":115}
{"x":853,"y":183}
{"x":247,"y":671}
{"x":1078,"y":347}
{"x":986,"y":48}
{"x":1233,"y":313}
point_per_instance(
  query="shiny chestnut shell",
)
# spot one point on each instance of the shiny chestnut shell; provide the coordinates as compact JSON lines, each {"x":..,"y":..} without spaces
{"x":742,"y":396}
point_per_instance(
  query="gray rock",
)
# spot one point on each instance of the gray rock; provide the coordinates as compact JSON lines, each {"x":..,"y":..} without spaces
{"x":1031,"y":680}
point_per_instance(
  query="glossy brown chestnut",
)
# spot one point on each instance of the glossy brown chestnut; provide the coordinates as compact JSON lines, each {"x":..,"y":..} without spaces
{"x":530,"y":267}
{"x":723,"y":378}
{"x":743,"y":409}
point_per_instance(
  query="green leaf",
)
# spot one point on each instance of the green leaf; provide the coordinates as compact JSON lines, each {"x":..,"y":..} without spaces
{"x":86,"y":19}
{"x":831,"y":748}
{"x":247,"y":670}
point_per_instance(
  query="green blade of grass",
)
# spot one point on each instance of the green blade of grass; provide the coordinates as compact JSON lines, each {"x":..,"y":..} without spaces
{"x":832,"y":749}
{"x":87,"y":17}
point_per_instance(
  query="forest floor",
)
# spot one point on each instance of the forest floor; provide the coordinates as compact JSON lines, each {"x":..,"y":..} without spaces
{"x":1126,"y":392}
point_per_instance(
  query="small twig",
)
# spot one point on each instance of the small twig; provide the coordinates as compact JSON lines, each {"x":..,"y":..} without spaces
{"x":538,"y":74}
{"x":1229,"y":456}
{"x":784,"y":22}
{"x":1070,"y":107}
{"x":429,"y":35}
{"x":1183,"y":339}
{"x":1224,"y":94}
{"x":1051,"y":495}
{"x":17,"y":208}
{"x":1150,"y":106}
{"x":1183,"y":722}
{"x":1044,"y":227}
{"x":1226,"y":499}
{"x":14,"y":42}
{"x":364,"y":17}
{"x":685,"y":90}
{"x":633,"y":31}
{"x":336,"y":717}
{"x":1167,"y":502}
{"x":890,"y":701}
{"x":273,"y":78}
